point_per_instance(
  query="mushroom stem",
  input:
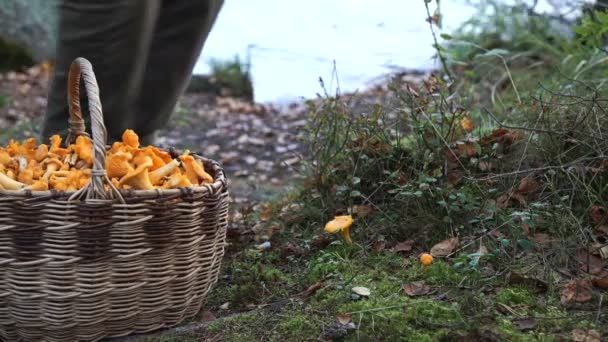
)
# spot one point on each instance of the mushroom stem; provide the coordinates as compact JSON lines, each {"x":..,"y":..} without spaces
{"x":160,"y":173}
{"x":10,"y":184}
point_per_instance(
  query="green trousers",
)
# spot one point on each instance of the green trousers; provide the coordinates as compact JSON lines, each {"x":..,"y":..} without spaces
{"x":143,"y":53}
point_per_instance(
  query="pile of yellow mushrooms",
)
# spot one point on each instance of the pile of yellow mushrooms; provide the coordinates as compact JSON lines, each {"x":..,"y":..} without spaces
{"x":28,"y":166}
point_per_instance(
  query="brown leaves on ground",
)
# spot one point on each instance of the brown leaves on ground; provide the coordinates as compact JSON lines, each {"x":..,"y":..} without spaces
{"x":600,"y":280}
{"x":362,"y":210}
{"x":598,"y":214}
{"x":578,"y":291}
{"x":404,"y":247}
{"x":516,"y":278}
{"x":511,"y":200}
{"x":445,"y":247}
{"x":501,"y":135}
{"x":527,"y":186}
{"x":207,"y":317}
{"x":579,"y":335}
{"x":525,"y":324}
{"x":417,"y":288}
{"x":467,"y":149}
{"x":589,"y":263}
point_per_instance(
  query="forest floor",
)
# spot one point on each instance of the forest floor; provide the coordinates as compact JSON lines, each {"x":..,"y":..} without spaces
{"x":284,"y":279}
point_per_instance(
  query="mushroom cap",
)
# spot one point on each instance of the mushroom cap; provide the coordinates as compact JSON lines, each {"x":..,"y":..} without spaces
{"x":41,"y":152}
{"x":130,"y":138}
{"x":39,"y":185}
{"x":84,"y":149}
{"x":339,"y":223}
{"x":157,"y":161}
{"x":5,"y":157}
{"x":26,"y":176}
{"x":426,"y":259}
{"x":165,"y":156}
{"x":138,"y":178}
{"x":117,"y":164}
{"x":56,"y":148}
{"x":194,"y":171}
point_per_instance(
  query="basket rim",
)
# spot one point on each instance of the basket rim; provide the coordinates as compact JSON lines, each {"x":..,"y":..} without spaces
{"x":219,"y":183}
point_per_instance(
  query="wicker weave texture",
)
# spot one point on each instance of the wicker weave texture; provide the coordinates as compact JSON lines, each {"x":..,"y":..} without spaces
{"x":106,"y":263}
{"x":83,"y":271}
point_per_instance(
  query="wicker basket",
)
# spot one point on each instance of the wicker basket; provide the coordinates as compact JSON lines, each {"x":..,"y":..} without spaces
{"x":99,"y":263}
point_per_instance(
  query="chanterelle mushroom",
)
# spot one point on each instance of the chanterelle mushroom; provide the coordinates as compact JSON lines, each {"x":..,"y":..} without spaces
{"x":157,"y":175}
{"x":130,"y":139}
{"x":117,"y":164}
{"x":84,"y":149}
{"x":195,"y":171}
{"x":138,"y":179}
{"x":8,"y":183}
{"x":52,"y":165}
{"x":340,"y":224}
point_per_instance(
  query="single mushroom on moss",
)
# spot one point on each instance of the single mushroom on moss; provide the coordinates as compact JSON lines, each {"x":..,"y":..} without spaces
{"x":342,"y":225}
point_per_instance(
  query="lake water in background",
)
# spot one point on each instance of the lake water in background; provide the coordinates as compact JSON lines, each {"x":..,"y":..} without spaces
{"x":295,"y":42}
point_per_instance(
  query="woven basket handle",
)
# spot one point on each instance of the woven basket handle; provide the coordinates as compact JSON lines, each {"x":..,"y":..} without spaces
{"x":95,"y":189}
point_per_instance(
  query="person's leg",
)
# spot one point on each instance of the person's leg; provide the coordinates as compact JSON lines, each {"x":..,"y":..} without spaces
{"x":114,"y":35}
{"x":181,"y":30}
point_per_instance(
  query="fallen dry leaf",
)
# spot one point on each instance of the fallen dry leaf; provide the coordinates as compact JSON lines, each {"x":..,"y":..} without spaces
{"x":542,"y":240}
{"x":344,"y":319}
{"x":312,"y":289}
{"x":265,"y":213}
{"x":404,"y":247}
{"x":601,"y":280}
{"x":362,"y":291}
{"x":604,"y":252}
{"x":485,"y":166}
{"x":207,"y":317}
{"x":518,"y":279}
{"x":507,"y":200}
{"x":362,"y":210}
{"x":598,"y":214}
{"x":602,"y":229}
{"x":225,"y":306}
{"x":524,"y":324}
{"x":466,"y":149}
{"x":501,"y":135}
{"x":454,"y":177}
{"x":528,"y":185}
{"x":590,"y":263}
{"x":379,"y":246}
{"x":467,"y":124}
{"x":576,"y":291}
{"x":445,"y":247}
{"x":579,"y":335}
{"x":417,"y":288}
{"x":525,"y":228}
